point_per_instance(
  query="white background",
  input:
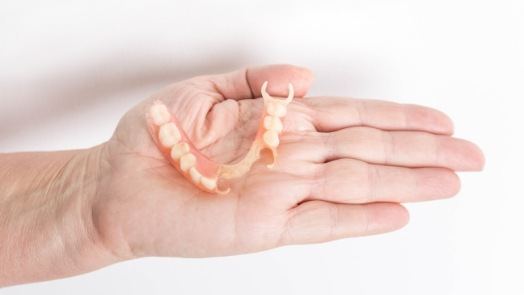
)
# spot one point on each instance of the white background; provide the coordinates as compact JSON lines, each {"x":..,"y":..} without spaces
{"x":70,"y":69}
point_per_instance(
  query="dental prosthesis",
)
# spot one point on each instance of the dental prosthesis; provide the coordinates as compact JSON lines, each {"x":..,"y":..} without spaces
{"x":203,"y":172}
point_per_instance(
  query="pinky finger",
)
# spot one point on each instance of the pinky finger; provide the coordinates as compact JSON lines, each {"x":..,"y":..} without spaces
{"x":320,"y":221}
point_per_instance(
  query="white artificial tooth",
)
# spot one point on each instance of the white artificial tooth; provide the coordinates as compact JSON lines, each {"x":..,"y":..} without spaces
{"x":187,"y":161}
{"x":277,"y":125}
{"x":276,"y":109}
{"x":209,"y":183}
{"x":159,"y":114}
{"x":273,"y":123}
{"x":179,"y":150}
{"x":195,"y":175}
{"x":270,"y":137}
{"x":169,"y":135}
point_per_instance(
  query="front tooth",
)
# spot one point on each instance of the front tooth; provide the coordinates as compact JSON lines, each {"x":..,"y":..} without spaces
{"x":271,"y":138}
{"x":159,"y":114}
{"x":169,"y":135}
{"x":179,"y":150}
{"x":209,"y":183}
{"x":276,"y":109}
{"x":187,"y":161}
{"x":273,"y":123}
{"x":195,"y":175}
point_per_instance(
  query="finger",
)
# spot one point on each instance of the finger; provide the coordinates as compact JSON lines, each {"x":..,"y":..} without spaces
{"x":330,"y":114}
{"x":246,"y":83}
{"x":353,"y":181}
{"x":318,"y":221}
{"x":400,"y":148}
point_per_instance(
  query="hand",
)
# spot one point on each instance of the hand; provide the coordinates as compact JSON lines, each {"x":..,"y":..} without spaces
{"x":344,"y":166}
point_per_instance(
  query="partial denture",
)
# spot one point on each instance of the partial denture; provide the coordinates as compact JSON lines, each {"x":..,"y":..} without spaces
{"x":174,"y":144}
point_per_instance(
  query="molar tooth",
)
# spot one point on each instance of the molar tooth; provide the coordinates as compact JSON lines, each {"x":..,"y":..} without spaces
{"x":179,"y":150}
{"x":169,"y":135}
{"x":276,"y":109}
{"x":159,"y":114}
{"x":195,"y":175}
{"x":209,"y":183}
{"x":187,"y":161}
{"x":270,"y":137}
{"x":273,"y":123}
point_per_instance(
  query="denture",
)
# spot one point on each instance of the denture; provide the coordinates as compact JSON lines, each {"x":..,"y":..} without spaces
{"x":202,"y":171}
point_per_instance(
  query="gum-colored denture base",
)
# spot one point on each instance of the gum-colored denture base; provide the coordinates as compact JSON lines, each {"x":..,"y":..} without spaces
{"x":204,"y":173}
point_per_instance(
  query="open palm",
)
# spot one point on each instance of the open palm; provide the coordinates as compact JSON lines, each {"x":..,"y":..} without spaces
{"x":344,"y":166}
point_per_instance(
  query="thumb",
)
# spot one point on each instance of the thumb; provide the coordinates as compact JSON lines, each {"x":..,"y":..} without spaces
{"x":246,"y":83}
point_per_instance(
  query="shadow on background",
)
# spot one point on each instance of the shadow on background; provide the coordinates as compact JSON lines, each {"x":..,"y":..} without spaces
{"x":86,"y":84}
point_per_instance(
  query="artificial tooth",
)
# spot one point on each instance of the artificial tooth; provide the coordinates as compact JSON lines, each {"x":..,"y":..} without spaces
{"x":169,"y":135}
{"x":159,"y":114}
{"x":209,"y":183}
{"x":276,"y":109}
{"x":270,"y":137}
{"x":187,"y":161}
{"x":273,"y":123}
{"x":195,"y":175}
{"x":179,"y":150}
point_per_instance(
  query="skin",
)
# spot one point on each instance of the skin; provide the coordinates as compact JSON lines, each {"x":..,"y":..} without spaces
{"x":344,"y":166}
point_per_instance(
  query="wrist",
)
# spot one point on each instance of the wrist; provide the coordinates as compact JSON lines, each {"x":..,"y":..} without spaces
{"x":47,"y":221}
{"x":79,"y":184}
